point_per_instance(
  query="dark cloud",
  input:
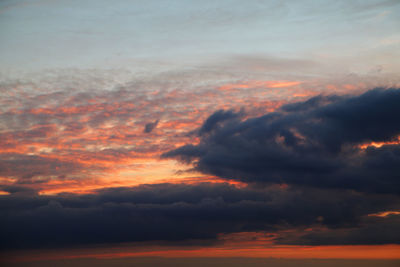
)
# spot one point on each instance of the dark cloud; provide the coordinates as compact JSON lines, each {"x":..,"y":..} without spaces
{"x":216,"y":119}
{"x":149,"y":127}
{"x":370,"y":231}
{"x":314,"y":143}
{"x":18,"y":189}
{"x":175,"y":212}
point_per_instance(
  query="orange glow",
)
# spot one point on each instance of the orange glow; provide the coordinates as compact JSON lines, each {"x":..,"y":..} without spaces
{"x":203,"y":179}
{"x":89,"y":186}
{"x":152,"y":171}
{"x":274,"y":251}
{"x":380,"y":144}
{"x":255,"y":84}
{"x":289,"y":252}
{"x":385,"y":213}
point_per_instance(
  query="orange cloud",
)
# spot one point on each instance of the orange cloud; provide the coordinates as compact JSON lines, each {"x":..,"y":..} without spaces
{"x":103,"y":132}
{"x":379,"y":144}
{"x":259,"y":84}
{"x":384,"y":214}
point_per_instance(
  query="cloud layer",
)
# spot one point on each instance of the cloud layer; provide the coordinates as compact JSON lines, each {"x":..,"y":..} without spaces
{"x":321,"y":142}
{"x":179,"y":212}
{"x":310,"y":172}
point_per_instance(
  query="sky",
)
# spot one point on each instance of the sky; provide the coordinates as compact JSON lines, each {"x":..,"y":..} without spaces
{"x":199,"y":131}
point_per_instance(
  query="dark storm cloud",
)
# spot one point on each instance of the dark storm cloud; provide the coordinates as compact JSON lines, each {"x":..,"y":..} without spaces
{"x":216,"y":119}
{"x":314,"y":143}
{"x":175,"y":212}
{"x":149,"y":127}
{"x":18,"y":189}
{"x":376,"y":231}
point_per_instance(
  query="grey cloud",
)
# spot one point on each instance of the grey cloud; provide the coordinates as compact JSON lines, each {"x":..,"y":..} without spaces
{"x":149,"y":127}
{"x":313,"y":143}
{"x":175,"y":212}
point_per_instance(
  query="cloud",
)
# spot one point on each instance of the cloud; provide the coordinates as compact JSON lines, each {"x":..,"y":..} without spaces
{"x":314,"y":143}
{"x":149,"y":127}
{"x":35,"y":169}
{"x":370,"y":231}
{"x":18,"y":189}
{"x":60,"y":123}
{"x":216,"y":119}
{"x":176,"y":212}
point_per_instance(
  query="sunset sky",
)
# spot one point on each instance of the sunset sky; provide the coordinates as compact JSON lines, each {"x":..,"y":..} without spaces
{"x":195,"y":132}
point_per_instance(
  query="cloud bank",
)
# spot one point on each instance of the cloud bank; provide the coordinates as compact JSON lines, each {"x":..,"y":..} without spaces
{"x":321,"y":142}
{"x":179,"y":212}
